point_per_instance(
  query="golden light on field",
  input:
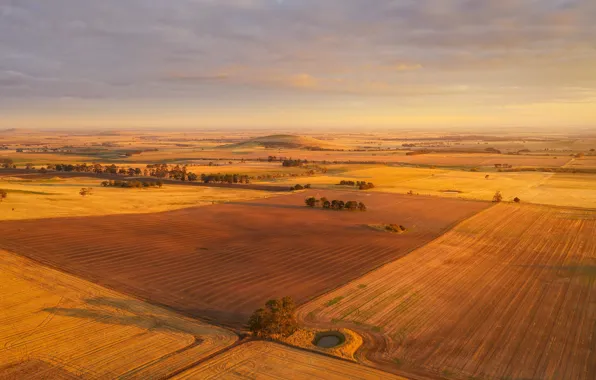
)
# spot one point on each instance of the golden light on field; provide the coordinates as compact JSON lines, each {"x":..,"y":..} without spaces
{"x":54,"y":323}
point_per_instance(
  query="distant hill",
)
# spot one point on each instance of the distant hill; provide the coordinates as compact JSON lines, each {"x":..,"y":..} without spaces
{"x":285,"y":141}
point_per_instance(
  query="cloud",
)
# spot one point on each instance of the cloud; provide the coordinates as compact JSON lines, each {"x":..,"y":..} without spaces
{"x":247,"y":49}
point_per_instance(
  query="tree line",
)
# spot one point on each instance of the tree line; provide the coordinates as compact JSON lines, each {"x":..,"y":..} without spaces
{"x":300,"y":187}
{"x":132,"y":184}
{"x":362,"y":185}
{"x":334,"y":204}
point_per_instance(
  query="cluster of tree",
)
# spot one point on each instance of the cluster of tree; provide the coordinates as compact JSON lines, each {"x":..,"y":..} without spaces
{"x":362,"y":185}
{"x":225,"y":178}
{"x":131,"y":184}
{"x":277,"y":318}
{"x":300,"y":187}
{"x":7,"y":163}
{"x":3,"y":195}
{"x":294,"y":163}
{"x":335,"y":204}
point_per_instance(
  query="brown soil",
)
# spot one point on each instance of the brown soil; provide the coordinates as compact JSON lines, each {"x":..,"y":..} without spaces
{"x":221,"y":262}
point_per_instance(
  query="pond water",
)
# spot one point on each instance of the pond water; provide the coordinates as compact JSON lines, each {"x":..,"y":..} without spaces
{"x":328,"y":341}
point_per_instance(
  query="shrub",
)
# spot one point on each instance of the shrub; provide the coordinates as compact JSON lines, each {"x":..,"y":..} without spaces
{"x":516,"y":200}
{"x":497,"y":197}
{"x":86,"y":191}
{"x":3,"y":195}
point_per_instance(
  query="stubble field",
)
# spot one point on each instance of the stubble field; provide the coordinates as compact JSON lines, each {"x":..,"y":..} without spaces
{"x":56,"y":326}
{"x":560,"y":189}
{"x":222,"y":262}
{"x":55,"y":197}
{"x":509,"y":293}
{"x":260,"y":360}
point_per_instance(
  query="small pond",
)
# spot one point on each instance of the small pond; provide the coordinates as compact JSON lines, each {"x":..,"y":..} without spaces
{"x":328,"y":341}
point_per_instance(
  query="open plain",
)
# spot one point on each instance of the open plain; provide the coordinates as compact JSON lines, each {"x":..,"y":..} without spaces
{"x":223,"y":261}
{"x":508,"y":293}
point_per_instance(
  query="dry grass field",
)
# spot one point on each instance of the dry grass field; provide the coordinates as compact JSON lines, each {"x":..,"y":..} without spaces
{"x":59,"y":197}
{"x":266,"y":360}
{"x":224,"y":261}
{"x":56,"y":326}
{"x":508,"y":294}
{"x":561,"y":189}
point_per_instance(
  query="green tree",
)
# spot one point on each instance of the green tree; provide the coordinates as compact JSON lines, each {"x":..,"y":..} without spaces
{"x":311,"y":201}
{"x":278,"y":317}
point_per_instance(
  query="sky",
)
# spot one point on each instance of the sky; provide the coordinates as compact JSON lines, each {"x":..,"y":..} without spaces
{"x":298,"y":63}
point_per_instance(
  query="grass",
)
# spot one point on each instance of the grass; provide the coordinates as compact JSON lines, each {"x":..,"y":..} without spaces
{"x":334,"y":301}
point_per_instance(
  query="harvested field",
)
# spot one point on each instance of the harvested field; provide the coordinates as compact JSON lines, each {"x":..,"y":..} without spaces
{"x":223,"y":261}
{"x":54,"y":197}
{"x":56,"y":326}
{"x":509,"y":293}
{"x":255,"y":360}
{"x":560,"y":189}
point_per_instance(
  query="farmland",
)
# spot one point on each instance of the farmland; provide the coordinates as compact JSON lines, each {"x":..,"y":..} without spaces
{"x":221,"y":262}
{"x":508,"y":293}
{"x":59,"y":197}
{"x":561,"y":189}
{"x":269,"y":360}
{"x":56,"y":326}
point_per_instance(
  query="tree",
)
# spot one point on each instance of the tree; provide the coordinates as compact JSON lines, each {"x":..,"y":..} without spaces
{"x":3,"y":195}
{"x":361,"y":206}
{"x":352,"y":205}
{"x":497,"y":197}
{"x":276,"y":318}
{"x":516,"y":200}
{"x":86,"y":191}
{"x":311,"y":201}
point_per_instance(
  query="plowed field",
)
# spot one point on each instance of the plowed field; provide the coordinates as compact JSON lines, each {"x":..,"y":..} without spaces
{"x":223,"y":261}
{"x":509,"y":293}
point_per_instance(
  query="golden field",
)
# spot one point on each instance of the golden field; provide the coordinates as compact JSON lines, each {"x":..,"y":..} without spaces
{"x":561,"y":189}
{"x":266,"y":360}
{"x":508,"y":293}
{"x":54,"y":325}
{"x":56,"y":197}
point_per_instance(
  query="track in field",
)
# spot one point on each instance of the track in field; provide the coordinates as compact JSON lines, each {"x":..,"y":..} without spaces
{"x":221,"y":262}
{"x":509,"y":293}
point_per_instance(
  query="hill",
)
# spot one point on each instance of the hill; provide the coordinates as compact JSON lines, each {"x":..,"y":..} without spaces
{"x":285,"y":141}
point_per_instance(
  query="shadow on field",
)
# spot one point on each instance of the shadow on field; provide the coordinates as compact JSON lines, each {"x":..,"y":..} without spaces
{"x":146,"y":322}
{"x":129,"y":312}
{"x":270,"y":205}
